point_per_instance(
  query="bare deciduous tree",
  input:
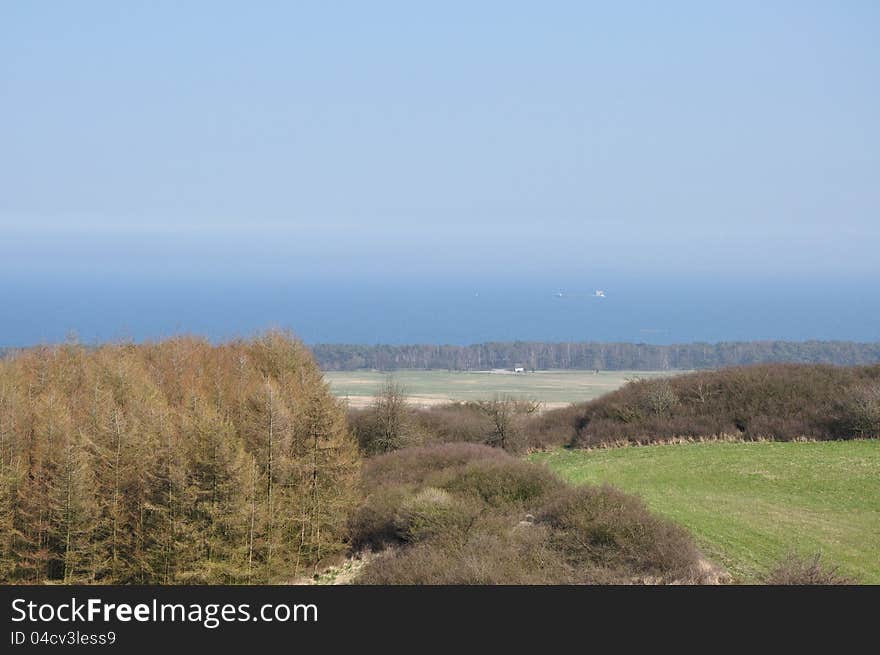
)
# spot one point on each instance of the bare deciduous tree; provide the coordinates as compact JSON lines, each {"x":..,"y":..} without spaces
{"x":507,"y":415}
{"x":388,"y":425}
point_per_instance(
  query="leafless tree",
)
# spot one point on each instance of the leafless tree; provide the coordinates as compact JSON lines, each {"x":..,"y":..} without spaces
{"x":507,"y":415}
{"x":391,"y":428}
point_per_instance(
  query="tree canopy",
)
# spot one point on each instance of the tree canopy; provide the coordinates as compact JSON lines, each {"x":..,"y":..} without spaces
{"x":170,"y":462}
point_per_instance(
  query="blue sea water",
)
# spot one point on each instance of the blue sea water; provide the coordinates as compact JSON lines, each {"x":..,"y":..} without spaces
{"x":650,"y":310}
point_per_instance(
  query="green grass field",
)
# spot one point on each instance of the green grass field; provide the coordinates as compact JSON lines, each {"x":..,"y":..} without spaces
{"x":748,"y":504}
{"x":554,"y":388}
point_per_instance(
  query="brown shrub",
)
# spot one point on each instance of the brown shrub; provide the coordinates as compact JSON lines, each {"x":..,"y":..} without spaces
{"x":797,"y":570}
{"x":374,"y":524}
{"x":506,"y":423}
{"x":503,"y":483}
{"x":555,"y":427}
{"x":414,"y":465}
{"x":608,"y":535}
{"x":453,"y":422}
{"x":434,"y":512}
{"x":463,"y":514}
{"x":491,"y":553}
{"x":389,"y":480}
{"x":780,"y":401}
{"x":859,"y":413}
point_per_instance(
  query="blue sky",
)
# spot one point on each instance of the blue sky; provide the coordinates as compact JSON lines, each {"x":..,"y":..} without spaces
{"x":312,"y":141}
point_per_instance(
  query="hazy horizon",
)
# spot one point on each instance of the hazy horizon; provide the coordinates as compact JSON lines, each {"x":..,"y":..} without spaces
{"x":361,"y":172}
{"x":634,"y":310}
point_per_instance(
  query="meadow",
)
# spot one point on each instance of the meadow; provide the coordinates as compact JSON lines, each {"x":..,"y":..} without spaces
{"x":750,"y":504}
{"x":426,"y":388}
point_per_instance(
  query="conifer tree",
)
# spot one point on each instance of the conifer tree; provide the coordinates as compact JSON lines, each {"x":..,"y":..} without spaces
{"x":170,"y":462}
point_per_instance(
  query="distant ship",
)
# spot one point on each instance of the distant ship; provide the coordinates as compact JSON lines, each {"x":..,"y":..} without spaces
{"x":598,"y":293}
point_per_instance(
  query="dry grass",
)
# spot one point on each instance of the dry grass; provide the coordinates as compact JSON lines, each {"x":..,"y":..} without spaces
{"x":554,"y":389}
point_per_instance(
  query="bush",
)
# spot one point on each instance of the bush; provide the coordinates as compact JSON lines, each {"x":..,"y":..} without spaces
{"x":797,"y":570}
{"x":374,"y":524}
{"x":389,"y":480}
{"x":555,"y":427}
{"x":390,"y":425}
{"x":414,"y":465}
{"x":780,"y":402}
{"x":861,"y":411}
{"x":491,"y":553}
{"x":606,"y":531}
{"x":433,"y":512}
{"x":465,"y":514}
{"x":503,"y":483}
{"x":452,"y":422}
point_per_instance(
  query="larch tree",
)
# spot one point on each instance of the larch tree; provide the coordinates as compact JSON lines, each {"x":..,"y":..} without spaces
{"x":170,"y":462}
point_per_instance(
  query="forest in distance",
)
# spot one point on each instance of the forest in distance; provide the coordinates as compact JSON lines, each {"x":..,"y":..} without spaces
{"x":584,"y":355}
{"x":536,"y":355}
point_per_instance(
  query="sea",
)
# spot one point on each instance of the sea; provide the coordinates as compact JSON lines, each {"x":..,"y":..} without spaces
{"x":642,"y":309}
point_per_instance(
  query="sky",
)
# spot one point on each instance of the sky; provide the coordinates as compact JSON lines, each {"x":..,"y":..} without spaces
{"x":386,"y":143}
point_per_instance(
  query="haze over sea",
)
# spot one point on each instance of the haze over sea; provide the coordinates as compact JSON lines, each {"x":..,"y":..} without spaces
{"x":657,"y":310}
{"x":373,"y":172}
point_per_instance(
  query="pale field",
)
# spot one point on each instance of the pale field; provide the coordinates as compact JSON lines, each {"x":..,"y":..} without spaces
{"x":426,"y":388}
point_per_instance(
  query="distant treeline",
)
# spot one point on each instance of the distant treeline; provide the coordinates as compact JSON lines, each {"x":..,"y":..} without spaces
{"x":591,"y":355}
